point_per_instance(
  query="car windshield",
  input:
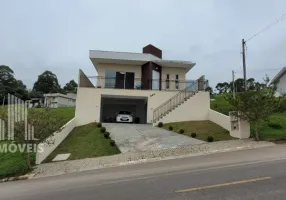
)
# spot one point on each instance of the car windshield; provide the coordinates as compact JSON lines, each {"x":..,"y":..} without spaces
{"x":124,"y":113}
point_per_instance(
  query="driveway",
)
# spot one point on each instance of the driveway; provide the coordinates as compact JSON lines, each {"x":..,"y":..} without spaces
{"x":142,"y":137}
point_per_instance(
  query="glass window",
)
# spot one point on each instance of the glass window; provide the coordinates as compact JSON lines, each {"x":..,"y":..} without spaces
{"x":110,"y":79}
{"x":168,"y":81}
{"x":177,"y":81}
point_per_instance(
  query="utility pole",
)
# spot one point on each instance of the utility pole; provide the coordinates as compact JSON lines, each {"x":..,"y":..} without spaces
{"x":233,"y":85}
{"x":243,"y":61}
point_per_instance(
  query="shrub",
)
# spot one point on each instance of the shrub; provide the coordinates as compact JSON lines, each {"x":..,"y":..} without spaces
{"x":193,"y":135}
{"x":99,"y":125}
{"x":160,"y":124}
{"x":210,"y":138}
{"x":275,"y":125}
{"x":103,"y":129}
{"x":170,"y":128}
{"x":106,"y":135}
{"x":181,"y":131}
{"x":112,"y":143}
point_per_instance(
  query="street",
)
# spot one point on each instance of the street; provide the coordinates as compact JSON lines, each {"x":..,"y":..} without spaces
{"x":249,"y":174}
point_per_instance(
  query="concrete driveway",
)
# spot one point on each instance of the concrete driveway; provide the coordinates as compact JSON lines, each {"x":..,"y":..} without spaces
{"x":142,"y":137}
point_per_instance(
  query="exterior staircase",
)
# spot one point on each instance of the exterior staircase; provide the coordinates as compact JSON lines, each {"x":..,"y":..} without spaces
{"x":180,"y":98}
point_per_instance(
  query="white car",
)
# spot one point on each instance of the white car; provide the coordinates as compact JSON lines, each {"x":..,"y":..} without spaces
{"x":124,"y":116}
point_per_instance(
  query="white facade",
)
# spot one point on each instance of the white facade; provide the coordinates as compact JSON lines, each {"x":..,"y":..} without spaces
{"x":56,"y":100}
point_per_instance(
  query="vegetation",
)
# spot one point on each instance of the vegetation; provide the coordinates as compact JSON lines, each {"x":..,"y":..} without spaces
{"x":181,"y":131}
{"x":107,"y":135}
{"x":12,"y":164}
{"x":170,"y":128}
{"x":85,"y":142}
{"x":112,"y":143}
{"x":202,"y":129}
{"x":160,"y":124}
{"x":210,"y":139}
{"x":193,"y":135}
{"x":266,"y":132}
{"x":102,"y":129}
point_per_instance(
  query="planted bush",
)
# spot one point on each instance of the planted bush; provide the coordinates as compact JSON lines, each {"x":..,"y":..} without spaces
{"x":210,"y":139}
{"x":170,"y":128}
{"x":99,"y":125}
{"x":106,"y":135}
{"x":112,"y":143}
{"x":160,"y":124}
{"x":193,"y":135}
{"x":181,"y":131}
{"x":275,"y":125}
{"x":103,"y":129}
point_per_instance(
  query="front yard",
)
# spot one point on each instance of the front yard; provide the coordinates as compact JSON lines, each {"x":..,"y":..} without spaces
{"x":12,"y":164}
{"x":85,"y":142}
{"x":203,"y":129}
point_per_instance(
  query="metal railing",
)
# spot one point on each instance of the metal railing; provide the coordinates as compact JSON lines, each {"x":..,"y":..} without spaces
{"x":178,"y":99}
{"x":137,"y":84}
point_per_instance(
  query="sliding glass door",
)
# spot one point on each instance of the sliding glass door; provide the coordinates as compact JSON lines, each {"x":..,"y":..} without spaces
{"x":121,"y":80}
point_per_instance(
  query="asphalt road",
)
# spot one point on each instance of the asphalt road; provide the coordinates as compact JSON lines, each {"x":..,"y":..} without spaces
{"x":250,"y":174}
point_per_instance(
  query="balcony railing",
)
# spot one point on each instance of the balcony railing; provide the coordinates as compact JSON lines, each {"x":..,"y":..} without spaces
{"x":137,"y":84}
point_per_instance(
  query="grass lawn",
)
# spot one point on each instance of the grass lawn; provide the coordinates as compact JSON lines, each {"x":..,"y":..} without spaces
{"x":203,"y":129}
{"x":85,"y":142}
{"x":267,"y":133}
{"x":12,"y":164}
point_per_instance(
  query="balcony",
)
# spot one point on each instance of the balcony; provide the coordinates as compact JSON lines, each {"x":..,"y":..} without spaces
{"x":136,"y":83}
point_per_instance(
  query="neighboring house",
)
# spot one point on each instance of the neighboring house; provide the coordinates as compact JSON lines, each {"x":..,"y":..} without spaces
{"x":280,"y":79}
{"x":151,"y":88}
{"x":55,"y":100}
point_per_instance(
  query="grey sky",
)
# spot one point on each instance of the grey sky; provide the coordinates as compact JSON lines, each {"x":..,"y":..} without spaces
{"x":37,"y":35}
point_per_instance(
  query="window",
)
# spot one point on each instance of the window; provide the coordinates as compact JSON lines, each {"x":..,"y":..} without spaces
{"x":167,"y":81}
{"x":109,"y":81}
{"x":177,"y":82}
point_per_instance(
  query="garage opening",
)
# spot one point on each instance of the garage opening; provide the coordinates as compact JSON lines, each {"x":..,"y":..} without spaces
{"x":114,"y":106}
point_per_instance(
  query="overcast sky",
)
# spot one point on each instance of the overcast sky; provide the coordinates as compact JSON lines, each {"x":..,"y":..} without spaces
{"x":56,"y":35}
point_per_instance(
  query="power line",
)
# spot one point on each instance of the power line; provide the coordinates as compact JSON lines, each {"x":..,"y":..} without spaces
{"x":269,"y":26}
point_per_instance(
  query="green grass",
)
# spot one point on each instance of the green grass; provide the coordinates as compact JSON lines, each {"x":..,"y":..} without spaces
{"x":85,"y":142}
{"x":12,"y":164}
{"x":270,"y":134}
{"x":203,"y":129}
{"x":266,"y":133}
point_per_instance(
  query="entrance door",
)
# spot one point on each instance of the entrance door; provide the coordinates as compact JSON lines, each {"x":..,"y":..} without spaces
{"x":155,"y":80}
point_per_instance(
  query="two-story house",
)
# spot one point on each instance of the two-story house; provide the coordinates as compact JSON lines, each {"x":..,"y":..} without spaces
{"x":151,"y":88}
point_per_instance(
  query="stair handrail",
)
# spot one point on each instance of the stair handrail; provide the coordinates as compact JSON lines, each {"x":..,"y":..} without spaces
{"x":181,"y":99}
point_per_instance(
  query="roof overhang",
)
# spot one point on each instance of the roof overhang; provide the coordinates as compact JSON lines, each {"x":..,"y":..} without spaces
{"x":111,"y":57}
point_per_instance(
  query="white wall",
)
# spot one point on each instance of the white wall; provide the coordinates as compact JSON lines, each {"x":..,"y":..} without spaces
{"x":220,"y":119}
{"x":194,"y":109}
{"x":57,"y":138}
{"x":281,"y":86}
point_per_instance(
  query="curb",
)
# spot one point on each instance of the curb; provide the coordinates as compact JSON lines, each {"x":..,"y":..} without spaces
{"x":17,"y":178}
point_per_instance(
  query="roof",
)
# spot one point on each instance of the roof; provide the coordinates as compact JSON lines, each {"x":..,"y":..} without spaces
{"x":279,"y":75}
{"x":98,"y":56}
{"x":60,"y":95}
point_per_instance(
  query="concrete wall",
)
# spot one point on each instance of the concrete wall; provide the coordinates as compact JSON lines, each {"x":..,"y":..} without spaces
{"x":281,"y":86}
{"x":194,"y":109}
{"x":88,"y":104}
{"x":220,"y":119}
{"x":57,"y":138}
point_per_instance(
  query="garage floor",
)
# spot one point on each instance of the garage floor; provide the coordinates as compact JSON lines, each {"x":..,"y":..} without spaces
{"x":142,"y":137}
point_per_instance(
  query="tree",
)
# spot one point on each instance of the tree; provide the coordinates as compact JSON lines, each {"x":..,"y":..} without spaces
{"x":255,"y":106}
{"x":47,"y":83}
{"x":9,"y":84}
{"x":71,"y":86}
{"x":223,"y":87}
